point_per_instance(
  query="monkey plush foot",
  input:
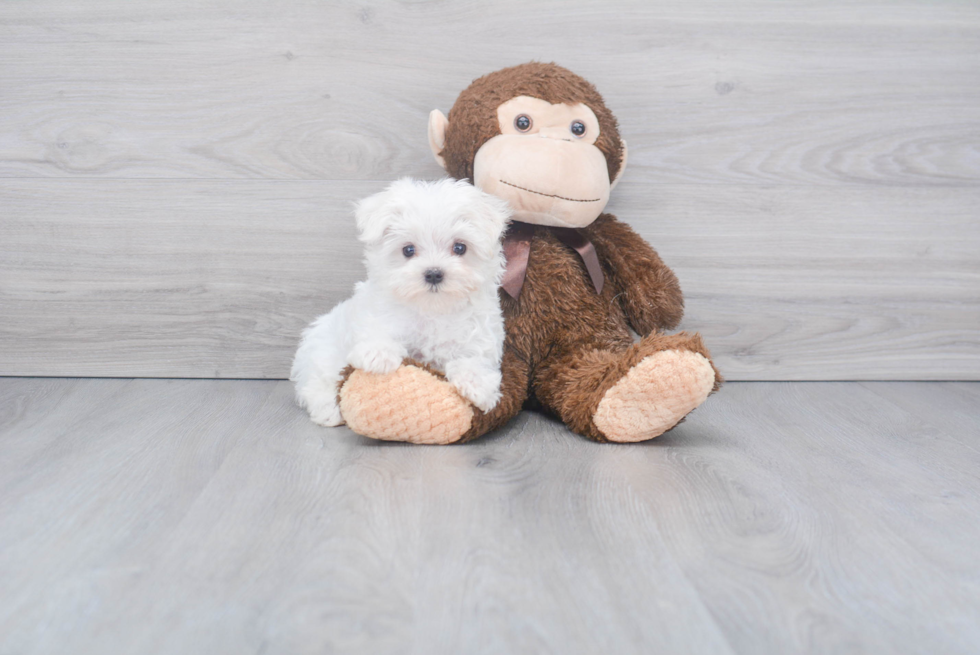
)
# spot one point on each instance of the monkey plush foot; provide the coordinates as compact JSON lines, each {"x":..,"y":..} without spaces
{"x":409,"y":404}
{"x":654,"y":395}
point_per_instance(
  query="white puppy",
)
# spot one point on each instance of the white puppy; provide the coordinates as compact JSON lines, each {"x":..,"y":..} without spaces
{"x":434,"y":262}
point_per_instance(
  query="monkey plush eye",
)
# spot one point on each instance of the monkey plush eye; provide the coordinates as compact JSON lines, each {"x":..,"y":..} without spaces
{"x":408,"y":250}
{"x":459,"y":248}
{"x":578,"y":128}
{"x":523,"y":122}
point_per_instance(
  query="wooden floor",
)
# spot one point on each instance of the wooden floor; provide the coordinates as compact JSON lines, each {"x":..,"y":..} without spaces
{"x":204,"y":516}
{"x":175,"y":202}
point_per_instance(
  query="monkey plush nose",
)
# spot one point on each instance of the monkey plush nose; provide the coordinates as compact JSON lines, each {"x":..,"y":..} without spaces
{"x":433,"y":276}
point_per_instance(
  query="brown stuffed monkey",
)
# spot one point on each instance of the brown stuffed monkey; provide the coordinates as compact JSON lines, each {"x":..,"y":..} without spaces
{"x":541,"y":137}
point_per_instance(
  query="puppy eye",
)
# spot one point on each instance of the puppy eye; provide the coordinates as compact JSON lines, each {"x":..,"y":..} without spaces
{"x":523,"y":122}
{"x":459,"y":248}
{"x":408,"y":251}
{"x":578,"y":128}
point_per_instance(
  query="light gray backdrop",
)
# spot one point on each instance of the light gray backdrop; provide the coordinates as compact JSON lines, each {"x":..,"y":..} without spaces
{"x":176,"y":179}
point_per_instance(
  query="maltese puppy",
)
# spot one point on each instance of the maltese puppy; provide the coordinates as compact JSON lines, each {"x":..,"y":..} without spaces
{"x":434,"y":262}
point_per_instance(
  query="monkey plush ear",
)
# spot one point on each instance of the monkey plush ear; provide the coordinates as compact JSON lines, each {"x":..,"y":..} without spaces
{"x":622,"y":167}
{"x":437,"y":134}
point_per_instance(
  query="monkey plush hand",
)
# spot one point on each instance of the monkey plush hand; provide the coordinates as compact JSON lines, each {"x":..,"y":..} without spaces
{"x":577,"y":279}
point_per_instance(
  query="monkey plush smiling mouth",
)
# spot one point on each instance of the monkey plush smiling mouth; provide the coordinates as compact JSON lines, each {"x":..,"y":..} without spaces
{"x":548,"y":195}
{"x":542,"y":138}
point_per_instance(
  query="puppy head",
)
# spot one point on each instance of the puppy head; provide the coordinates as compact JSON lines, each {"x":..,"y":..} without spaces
{"x":433,"y":244}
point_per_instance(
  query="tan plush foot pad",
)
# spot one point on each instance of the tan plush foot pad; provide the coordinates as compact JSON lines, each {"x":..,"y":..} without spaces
{"x":407,"y":405}
{"x":654,"y":396}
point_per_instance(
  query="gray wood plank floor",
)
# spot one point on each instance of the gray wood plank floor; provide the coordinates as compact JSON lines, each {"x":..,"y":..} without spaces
{"x":210,"y":516}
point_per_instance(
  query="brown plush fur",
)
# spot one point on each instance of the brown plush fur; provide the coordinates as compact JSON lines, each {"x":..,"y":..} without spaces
{"x":566,"y":345}
{"x":473,"y":118}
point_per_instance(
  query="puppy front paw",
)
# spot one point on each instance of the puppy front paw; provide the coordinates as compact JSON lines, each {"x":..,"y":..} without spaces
{"x":377,"y":357}
{"x":319,"y":397}
{"x":476,"y":382}
{"x":328,"y":417}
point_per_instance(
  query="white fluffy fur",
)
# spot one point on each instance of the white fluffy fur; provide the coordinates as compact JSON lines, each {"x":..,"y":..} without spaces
{"x":455,"y":326}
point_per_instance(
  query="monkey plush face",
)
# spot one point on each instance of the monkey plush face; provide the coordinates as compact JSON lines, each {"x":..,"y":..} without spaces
{"x":544,"y":163}
{"x":538,"y":136}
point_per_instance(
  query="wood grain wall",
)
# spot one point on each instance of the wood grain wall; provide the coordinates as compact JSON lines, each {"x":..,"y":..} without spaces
{"x":176,"y":178}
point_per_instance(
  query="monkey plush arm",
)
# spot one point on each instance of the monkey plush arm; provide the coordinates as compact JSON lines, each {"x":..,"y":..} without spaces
{"x":647,"y":289}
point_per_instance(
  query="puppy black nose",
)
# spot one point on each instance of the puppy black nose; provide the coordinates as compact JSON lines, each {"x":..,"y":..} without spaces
{"x":433,"y":275}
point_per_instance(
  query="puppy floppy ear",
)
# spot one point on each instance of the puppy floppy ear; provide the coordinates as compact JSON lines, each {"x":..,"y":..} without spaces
{"x":373,"y":215}
{"x":486,"y":217}
{"x":494,"y":214}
